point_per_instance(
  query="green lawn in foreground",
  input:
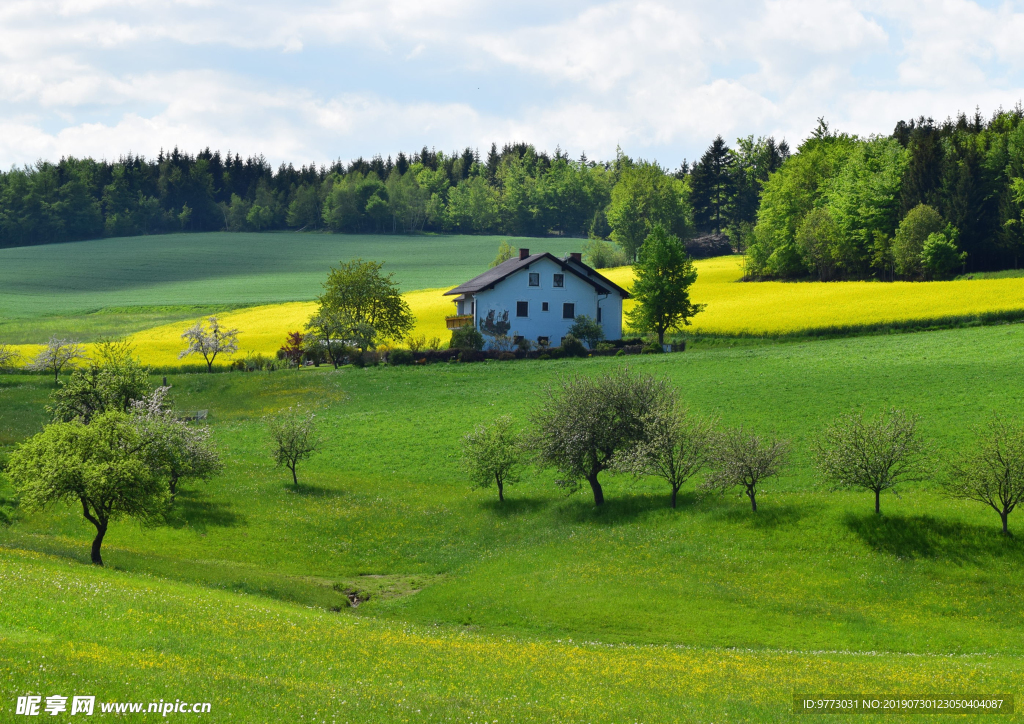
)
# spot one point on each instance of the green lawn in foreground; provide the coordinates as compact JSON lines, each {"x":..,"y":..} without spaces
{"x":383,"y":513}
{"x":223,"y":269}
{"x":71,"y":630}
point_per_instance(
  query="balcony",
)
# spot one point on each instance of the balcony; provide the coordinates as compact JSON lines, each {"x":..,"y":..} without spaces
{"x":459,"y":320}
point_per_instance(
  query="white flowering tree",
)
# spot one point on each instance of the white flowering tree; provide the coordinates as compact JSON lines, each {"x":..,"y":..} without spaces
{"x":175,"y":449}
{"x":208,"y":342}
{"x":58,"y":355}
{"x":8,"y":357}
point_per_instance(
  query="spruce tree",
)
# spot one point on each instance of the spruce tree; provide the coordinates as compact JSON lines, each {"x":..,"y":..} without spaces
{"x":712,"y":186}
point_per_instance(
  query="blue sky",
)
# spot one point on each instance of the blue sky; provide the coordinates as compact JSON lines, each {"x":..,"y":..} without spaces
{"x":311,"y":81}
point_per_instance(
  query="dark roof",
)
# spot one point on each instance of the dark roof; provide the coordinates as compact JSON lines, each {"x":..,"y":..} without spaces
{"x":492,"y":276}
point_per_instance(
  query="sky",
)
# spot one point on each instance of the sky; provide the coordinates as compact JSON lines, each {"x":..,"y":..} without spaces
{"x":310,"y":81}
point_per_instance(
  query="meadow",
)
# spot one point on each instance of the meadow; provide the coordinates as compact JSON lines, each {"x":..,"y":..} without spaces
{"x":543,"y":609}
{"x":734,"y":309}
{"x":76,"y":288}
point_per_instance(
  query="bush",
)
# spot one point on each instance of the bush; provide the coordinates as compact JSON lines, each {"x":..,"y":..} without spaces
{"x":506,"y":356}
{"x":587,"y":329}
{"x":572,"y":347}
{"x":605,"y":346}
{"x":941,"y":256}
{"x":652,"y":349}
{"x":467,"y":338}
{"x":603,"y":255}
{"x":523,"y":344}
{"x":401,"y":357}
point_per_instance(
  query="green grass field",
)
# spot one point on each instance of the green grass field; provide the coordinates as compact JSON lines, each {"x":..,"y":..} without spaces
{"x":117,"y":286}
{"x":543,"y":609}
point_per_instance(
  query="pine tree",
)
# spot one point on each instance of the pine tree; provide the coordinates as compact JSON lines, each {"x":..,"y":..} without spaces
{"x":712,"y":186}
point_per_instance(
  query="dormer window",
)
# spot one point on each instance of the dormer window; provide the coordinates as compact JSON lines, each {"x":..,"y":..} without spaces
{"x":559,"y":281}
{"x":534,"y":279}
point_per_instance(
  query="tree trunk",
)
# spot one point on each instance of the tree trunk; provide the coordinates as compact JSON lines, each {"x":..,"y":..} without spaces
{"x":101,"y":530}
{"x":596,"y":487}
{"x":501,"y":493}
{"x":174,"y":487}
{"x":674,"y":491}
{"x":295,"y":479}
{"x":878,"y":506}
{"x":752,"y":493}
{"x":661,"y":337}
{"x":1004,"y":515}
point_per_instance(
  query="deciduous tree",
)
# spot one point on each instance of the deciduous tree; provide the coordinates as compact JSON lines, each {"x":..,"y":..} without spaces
{"x":112,"y":382}
{"x":295,"y":436}
{"x":585,"y":422}
{"x":493,"y":455}
{"x":175,"y":449}
{"x":101,"y":466}
{"x":587,"y":329}
{"x":744,"y":459}
{"x":58,"y":355}
{"x":357,"y":294}
{"x":209,"y":341}
{"x":876,"y":454}
{"x":993,"y":472}
{"x":914,"y":229}
{"x":676,"y":446}
{"x":8,"y":357}
{"x":664,"y":274}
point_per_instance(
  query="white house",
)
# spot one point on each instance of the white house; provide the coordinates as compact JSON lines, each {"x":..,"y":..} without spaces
{"x":537,"y":296}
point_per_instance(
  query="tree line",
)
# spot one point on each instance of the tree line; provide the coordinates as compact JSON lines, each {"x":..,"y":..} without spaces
{"x":927,"y":201}
{"x":516,"y":190}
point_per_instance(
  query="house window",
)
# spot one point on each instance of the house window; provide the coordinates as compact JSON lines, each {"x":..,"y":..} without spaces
{"x":542,"y":341}
{"x":543,"y":306}
{"x":598,"y":314}
{"x":568,"y":311}
{"x":559,"y":280}
{"x":534,"y":279}
{"x":522,"y":309}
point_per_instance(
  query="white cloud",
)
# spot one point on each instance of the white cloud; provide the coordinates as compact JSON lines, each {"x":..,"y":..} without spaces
{"x":315,"y":80}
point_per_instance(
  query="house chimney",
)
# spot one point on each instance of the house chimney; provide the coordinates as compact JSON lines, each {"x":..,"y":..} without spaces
{"x":524,"y":253}
{"x":576,"y":256}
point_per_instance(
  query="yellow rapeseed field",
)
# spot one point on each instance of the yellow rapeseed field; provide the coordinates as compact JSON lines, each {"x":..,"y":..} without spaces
{"x":775,"y":308}
{"x":733,"y":308}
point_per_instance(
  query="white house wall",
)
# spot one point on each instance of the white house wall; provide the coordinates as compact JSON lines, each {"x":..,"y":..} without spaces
{"x":538,"y":323}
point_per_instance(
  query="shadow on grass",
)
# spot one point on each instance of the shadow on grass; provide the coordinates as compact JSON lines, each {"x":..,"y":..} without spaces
{"x":769,"y":514}
{"x":514,"y":506}
{"x":314,"y":491}
{"x":922,"y":536}
{"x":192,"y":509}
{"x":618,"y":508}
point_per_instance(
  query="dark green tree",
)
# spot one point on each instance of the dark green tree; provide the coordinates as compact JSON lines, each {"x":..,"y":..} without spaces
{"x":713,"y":184}
{"x":664,"y":274}
{"x":358,"y":295}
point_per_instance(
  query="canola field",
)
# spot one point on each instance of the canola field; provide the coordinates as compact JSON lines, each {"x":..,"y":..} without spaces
{"x":733,"y":308}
